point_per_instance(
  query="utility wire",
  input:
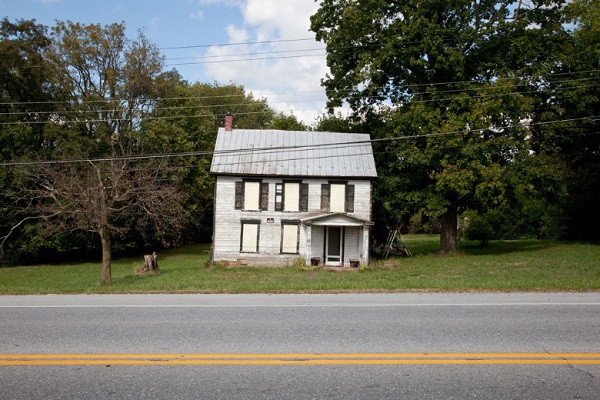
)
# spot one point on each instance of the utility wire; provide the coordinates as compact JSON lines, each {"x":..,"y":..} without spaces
{"x":398,"y":88}
{"x":279,"y":149}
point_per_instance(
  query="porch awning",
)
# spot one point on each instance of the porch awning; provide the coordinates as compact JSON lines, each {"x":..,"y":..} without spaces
{"x":334,"y":219}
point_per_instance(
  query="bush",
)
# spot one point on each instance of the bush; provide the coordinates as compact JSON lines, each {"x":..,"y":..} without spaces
{"x":478,"y":228}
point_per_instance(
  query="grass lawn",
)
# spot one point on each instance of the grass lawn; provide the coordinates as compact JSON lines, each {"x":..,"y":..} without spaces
{"x":522,"y":265}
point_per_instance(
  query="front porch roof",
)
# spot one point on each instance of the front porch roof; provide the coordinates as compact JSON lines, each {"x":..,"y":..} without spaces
{"x":334,"y":219}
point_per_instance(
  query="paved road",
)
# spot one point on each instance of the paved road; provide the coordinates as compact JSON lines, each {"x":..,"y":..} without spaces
{"x":437,"y":346}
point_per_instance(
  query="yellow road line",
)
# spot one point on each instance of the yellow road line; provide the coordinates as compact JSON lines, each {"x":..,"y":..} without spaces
{"x":303,"y":359}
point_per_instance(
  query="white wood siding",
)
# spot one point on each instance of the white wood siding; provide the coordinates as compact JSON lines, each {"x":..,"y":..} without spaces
{"x":228,"y":224}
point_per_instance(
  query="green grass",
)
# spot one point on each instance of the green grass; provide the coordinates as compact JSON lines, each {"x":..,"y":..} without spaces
{"x":523,"y":265}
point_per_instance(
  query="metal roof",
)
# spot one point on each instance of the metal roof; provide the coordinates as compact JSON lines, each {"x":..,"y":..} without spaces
{"x":293,"y":153}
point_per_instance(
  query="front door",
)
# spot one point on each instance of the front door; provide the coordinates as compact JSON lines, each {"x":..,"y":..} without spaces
{"x":333,"y":246}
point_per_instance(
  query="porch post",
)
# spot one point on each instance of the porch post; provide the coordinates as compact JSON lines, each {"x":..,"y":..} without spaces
{"x":308,"y":247}
{"x":365,"y":244}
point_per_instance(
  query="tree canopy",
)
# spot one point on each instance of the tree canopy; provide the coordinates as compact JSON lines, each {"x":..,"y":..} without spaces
{"x":454,"y":83}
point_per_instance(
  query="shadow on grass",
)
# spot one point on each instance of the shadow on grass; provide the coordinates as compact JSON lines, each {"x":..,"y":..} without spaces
{"x":506,"y":246}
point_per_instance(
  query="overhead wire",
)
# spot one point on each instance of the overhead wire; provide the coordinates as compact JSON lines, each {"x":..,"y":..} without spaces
{"x":213,"y":106}
{"x":295,"y":149}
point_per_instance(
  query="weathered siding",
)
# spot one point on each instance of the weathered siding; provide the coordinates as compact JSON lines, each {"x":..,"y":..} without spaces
{"x":228,"y":221}
{"x":352,"y":244}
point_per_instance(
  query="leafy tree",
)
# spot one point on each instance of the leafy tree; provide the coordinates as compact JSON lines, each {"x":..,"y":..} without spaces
{"x":572,"y":95}
{"x":24,"y":108}
{"x":191,"y":114}
{"x":443,"y":76}
{"x":287,"y":123}
{"x":93,"y":178}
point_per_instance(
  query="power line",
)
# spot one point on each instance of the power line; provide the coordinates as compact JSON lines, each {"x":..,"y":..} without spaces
{"x":295,"y":149}
{"x":247,"y":105}
{"x":400,"y":87}
{"x":237,"y":44}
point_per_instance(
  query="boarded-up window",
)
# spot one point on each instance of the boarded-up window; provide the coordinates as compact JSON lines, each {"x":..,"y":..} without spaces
{"x":337,"y":197}
{"x":289,"y":238}
{"x":251,"y":196}
{"x":291,"y":199}
{"x":249,"y":239}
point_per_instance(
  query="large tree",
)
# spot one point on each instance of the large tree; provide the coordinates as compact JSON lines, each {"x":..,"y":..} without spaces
{"x":444,"y":77}
{"x":91,"y":170}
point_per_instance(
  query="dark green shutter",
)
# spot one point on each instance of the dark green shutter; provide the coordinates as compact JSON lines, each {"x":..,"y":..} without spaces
{"x":304,"y":197}
{"x":264,"y":196}
{"x":349,"y":201}
{"x":325,"y":197}
{"x":239,"y":195}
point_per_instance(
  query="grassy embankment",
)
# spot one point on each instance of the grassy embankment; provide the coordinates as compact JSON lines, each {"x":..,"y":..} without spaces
{"x":523,"y":265}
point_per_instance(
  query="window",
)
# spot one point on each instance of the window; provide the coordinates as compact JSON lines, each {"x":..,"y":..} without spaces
{"x":291,"y":196}
{"x":250,"y":236}
{"x":251,"y":195}
{"x":337,"y":197}
{"x":289,"y":236}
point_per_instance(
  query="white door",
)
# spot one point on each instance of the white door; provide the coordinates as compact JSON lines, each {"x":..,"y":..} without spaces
{"x":333,"y":246}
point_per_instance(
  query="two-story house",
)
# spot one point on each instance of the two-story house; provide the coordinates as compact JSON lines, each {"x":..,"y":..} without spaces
{"x":283,"y":195}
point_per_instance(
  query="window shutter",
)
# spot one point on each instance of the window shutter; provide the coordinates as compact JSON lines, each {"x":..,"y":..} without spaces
{"x":239,"y":195}
{"x":279,"y":197}
{"x":325,"y":197}
{"x":304,"y":197}
{"x":349,"y":206}
{"x":264,"y":196}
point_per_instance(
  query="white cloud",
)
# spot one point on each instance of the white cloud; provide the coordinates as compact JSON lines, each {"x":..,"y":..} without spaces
{"x":285,"y":70}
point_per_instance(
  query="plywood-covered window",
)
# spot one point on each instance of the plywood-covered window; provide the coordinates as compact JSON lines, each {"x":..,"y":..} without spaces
{"x":290,"y":237}
{"x":337,"y":197}
{"x":250,"y":236}
{"x":291,"y":196}
{"x":251,"y":195}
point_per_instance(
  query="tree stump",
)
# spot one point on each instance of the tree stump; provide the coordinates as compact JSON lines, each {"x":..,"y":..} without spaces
{"x":150,"y":262}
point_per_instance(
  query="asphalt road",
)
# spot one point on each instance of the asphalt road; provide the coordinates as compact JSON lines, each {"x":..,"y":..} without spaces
{"x":362,"y":346}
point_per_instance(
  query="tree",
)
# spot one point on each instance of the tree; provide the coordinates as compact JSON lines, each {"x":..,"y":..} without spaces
{"x":24,"y":108}
{"x":287,"y":123}
{"x":572,"y":94}
{"x":192,"y":113}
{"x":100,"y":196}
{"x":92,"y":171}
{"x":444,"y":78}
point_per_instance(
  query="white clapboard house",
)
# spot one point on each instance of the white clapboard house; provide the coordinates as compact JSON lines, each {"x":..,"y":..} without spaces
{"x":285,"y":195}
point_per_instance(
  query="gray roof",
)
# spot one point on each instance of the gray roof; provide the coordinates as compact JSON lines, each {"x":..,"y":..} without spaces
{"x":293,"y":153}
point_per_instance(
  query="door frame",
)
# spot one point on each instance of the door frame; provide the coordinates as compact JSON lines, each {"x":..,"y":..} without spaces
{"x":337,"y":259}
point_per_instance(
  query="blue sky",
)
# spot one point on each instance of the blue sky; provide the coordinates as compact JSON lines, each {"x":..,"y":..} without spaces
{"x":286,"y":70}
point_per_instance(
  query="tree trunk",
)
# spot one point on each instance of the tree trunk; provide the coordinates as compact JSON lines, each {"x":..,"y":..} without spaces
{"x":106,"y":255}
{"x":448,"y":234}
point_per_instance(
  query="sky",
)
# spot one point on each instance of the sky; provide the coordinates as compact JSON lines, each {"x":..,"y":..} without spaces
{"x":263,"y":45}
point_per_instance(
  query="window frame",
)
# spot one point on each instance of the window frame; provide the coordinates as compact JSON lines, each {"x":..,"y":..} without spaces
{"x":240,"y":195}
{"x":280,"y":196}
{"x":244,"y":223}
{"x":293,"y":223}
{"x":349,"y":191}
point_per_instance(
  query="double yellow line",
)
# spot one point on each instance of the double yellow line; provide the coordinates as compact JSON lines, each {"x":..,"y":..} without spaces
{"x":303,"y":359}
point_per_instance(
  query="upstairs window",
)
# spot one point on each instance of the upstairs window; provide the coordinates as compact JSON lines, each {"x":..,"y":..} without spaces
{"x":337,"y":197}
{"x":291,"y":196}
{"x":251,"y":195}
